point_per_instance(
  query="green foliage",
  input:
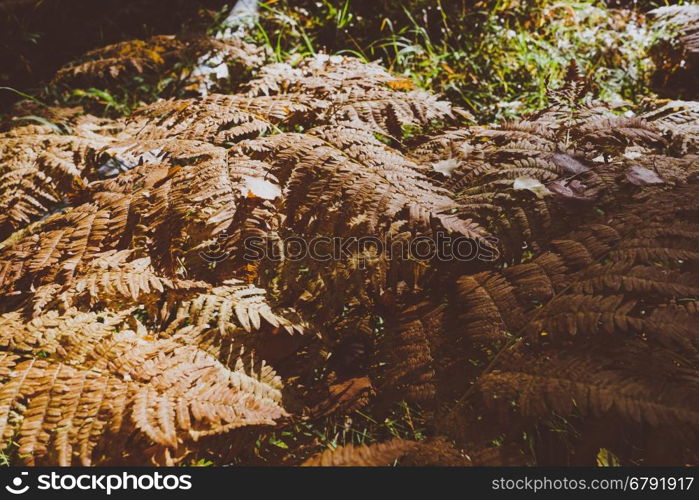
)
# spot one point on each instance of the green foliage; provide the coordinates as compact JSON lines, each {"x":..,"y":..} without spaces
{"x":494,"y":58}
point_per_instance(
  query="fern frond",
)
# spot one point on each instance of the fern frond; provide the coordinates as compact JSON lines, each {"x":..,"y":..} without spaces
{"x":128,"y":383}
{"x":378,"y":454}
{"x":232,"y":306}
{"x":365,"y":182}
{"x":633,"y":380}
{"x":215,"y":119}
{"x":39,"y":173}
{"x":158,"y":55}
{"x":350,"y":92}
{"x":412,"y":349}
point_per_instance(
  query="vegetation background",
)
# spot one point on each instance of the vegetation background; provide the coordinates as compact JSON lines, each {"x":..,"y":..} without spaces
{"x":494,"y":58}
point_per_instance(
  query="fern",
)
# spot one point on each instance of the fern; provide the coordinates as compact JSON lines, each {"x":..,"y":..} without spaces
{"x":135,"y":329}
{"x":158,"y":55}
{"x":129,"y":383}
{"x":381,"y":454}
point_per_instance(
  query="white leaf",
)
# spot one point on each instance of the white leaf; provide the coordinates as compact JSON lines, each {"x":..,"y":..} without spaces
{"x":260,"y":188}
{"x":445,"y":167}
{"x":531,"y":184}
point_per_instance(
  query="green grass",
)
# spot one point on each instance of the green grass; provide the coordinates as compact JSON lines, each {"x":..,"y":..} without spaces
{"x":495,"y":59}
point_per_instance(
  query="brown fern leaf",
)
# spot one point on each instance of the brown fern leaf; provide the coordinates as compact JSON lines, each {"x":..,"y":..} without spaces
{"x":365,"y":181}
{"x":390,"y":112}
{"x":610,"y":262}
{"x":220,"y":119}
{"x":641,"y":280}
{"x":213,"y":119}
{"x":633,"y":380}
{"x":491,"y":308}
{"x":130,"y":57}
{"x":523,"y":201}
{"x":40,"y":171}
{"x":322,"y":75}
{"x":352,"y":93}
{"x":617,"y":134}
{"x":158,"y":55}
{"x":69,"y":407}
{"x":112,"y":278}
{"x":528,"y":181}
{"x":678,"y":120}
{"x":412,"y":351}
{"x":378,"y":454}
{"x":448,"y":146}
{"x":155,"y":208}
{"x":612,"y":300}
{"x":344,"y":397}
{"x":68,"y":241}
{"x":232,"y":306}
{"x":166,"y":391}
{"x":343,"y":182}
{"x":69,"y":337}
{"x":676,"y":56}
{"x":438,"y":451}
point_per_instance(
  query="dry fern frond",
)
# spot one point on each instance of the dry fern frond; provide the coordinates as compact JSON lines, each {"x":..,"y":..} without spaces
{"x":437,"y":451}
{"x":322,"y":75}
{"x":158,"y":55}
{"x":616,"y":302}
{"x":676,"y":59}
{"x":128,"y":383}
{"x":215,"y":119}
{"x":135,"y":326}
{"x":365,"y":182}
{"x":351,"y":92}
{"x":232,"y":306}
{"x":633,"y":380}
{"x":344,"y":397}
{"x":109,"y":279}
{"x":378,"y":454}
{"x":526,"y":181}
{"x":412,"y":349}
{"x":40,"y":171}
{"x":176,"y":206}
{"x":678,"y":120}
{"x":69,"y":337}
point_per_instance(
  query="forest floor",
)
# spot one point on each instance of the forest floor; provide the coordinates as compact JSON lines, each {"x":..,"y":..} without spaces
{"x":558,"y":138}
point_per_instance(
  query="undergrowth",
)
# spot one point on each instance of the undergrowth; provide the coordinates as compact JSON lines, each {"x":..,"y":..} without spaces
{"x":495,"y":59}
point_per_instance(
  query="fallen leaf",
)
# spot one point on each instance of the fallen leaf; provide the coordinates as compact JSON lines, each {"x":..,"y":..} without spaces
{"x":568,"y":164}
{"x":256,"y":187}
{"x":445,"y":167}
{"x":531,"y":184}
{"x":641,"y":176}
{"x":573,"y":190}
